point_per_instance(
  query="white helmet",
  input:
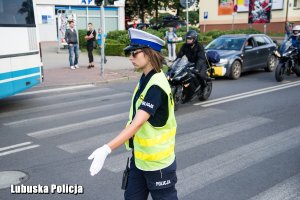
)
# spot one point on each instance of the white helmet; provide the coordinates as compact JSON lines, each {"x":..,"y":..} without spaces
{"x":296,"y":30}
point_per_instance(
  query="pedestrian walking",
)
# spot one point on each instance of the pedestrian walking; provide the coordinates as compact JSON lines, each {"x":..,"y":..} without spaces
{"x":100,"y":43}
{"x":171,"y":38}
{"x":90,"y":44}
{"x":71,"y":39}
{"x":288,"y":30}
{"x":151,"y":128}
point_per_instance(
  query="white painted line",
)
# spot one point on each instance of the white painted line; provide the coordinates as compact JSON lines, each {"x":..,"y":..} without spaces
{"x":187,"y":141}
{"x":214,"y":169}
{"x":64,"y":104}
{"x":36,"y":120}
{"x":94,"y":142}
{"x":88,"y":144}
{"x":18,"y":150}
{"x":78,"y":126}
{"x":63,"y":94}
{"x":286,"y":190}
{"x":15,"y":145}
{"x":58,"y":89}
{"x":247,"y":94}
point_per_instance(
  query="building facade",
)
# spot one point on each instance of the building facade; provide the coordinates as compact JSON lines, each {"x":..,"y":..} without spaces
{"x":212,"y":16}
{"x":49,"y":14}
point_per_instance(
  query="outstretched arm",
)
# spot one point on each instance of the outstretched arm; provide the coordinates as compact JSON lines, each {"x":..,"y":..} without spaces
{"x":100,"y":154}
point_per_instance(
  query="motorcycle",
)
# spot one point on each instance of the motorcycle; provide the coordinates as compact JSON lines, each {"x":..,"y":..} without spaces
{"x":287,"y":61}
{"x":185,"y":84}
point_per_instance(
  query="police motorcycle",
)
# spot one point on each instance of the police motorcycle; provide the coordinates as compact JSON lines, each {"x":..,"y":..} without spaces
{"x":287,"y":61}
{"x":185,"y":84}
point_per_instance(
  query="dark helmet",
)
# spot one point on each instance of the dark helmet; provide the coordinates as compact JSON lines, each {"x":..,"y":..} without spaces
{"x":192,"y":34}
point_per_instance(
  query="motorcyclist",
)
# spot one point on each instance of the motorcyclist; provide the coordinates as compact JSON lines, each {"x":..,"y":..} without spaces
{"x":195,"y":53}
{"x":295,"y":38}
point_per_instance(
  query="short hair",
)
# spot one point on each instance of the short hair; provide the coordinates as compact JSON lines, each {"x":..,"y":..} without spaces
{"x":71,"y":21}
{"x":90,"y":23}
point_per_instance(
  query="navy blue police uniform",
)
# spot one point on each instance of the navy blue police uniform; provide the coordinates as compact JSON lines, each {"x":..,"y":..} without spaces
{"x":155,"y":103}
{"x":144,"y":181}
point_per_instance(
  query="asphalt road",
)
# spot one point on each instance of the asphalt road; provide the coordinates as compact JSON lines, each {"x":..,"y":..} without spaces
{"x":242,"y":144}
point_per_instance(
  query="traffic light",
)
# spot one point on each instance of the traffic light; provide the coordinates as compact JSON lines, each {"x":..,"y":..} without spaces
{"x":98,"y":2}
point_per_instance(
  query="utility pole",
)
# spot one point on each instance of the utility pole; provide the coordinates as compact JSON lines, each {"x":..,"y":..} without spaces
{"x":287,"y":10}
{"x":102,"y":39}
{"x":187,"y":15}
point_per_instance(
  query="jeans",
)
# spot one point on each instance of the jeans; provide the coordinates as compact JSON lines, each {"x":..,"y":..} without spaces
{"x":100,"y":50}
{"x":172,"y":51}
{"x":73,"y":49}
{"x":160,"y":184}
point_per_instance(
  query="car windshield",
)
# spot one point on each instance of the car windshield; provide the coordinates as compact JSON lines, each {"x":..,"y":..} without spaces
{"x":225,"y":43}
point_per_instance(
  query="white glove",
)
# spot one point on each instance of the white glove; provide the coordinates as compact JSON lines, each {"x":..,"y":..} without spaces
{"x":99,"y":156}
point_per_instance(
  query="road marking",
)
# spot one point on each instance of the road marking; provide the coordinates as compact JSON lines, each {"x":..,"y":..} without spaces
{"x":65,"y":115}
{"x":87,"y":144}
{"x":286,"y":190}
{"x":78,"y":126}
{"x":57,"y":89}
{"x":63,"y":105}
{"x":15,"y":145}
{"x":246,"y":94}
{"x":187,"y":141}
{"x":94,"y":142}
{"x":70,"y":94}
{"x":214,"y":169}
{"x":4,"y":152}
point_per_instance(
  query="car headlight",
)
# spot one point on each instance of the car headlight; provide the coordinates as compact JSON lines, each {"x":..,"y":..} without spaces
{"x":223,"y":61}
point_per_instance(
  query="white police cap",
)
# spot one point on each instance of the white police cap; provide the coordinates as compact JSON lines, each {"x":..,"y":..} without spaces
{"x":141,"y":39}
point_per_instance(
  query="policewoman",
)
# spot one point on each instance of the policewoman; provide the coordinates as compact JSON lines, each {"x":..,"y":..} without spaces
{"x":150,"y":131}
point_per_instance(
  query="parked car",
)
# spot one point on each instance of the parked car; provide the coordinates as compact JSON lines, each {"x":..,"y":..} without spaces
{"x":169,"y":21}
{"x":142,"y":25}
{"x":245,"y":52}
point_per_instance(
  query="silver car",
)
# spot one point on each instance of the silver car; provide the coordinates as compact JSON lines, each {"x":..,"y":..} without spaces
{"x":240,"y":53}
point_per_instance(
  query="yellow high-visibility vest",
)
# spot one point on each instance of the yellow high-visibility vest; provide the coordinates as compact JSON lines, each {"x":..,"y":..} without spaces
{"x":154,"y":146}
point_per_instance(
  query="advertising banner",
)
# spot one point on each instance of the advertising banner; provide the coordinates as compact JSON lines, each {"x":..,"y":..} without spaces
{"x":225,"y":7}
{"x":243,"y":5}
{"x":259,"y":11}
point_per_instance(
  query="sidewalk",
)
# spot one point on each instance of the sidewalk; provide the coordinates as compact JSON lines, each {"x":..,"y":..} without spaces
{"x":58,"y":73}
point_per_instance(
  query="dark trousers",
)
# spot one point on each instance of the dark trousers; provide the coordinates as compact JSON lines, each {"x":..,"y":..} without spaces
{"x":90,"y":53}
{"x":160,"y":184}
{"x":202,"y":74}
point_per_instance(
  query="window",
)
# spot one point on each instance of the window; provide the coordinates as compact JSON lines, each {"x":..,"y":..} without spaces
{"x":296,"y":4}
{"x":16,"y":13}
{"x":260,"y":41}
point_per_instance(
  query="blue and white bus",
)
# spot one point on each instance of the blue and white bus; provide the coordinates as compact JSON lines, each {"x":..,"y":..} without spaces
{"x":20,"y":58}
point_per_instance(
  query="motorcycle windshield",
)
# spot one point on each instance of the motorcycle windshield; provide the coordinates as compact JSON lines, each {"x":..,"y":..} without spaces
{"x":179,"y":64}
{"x":285,"y":46}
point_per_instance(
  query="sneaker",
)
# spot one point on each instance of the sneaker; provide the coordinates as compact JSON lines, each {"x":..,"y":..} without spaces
{"x":72,"y":67}
{"x":76,"y":66}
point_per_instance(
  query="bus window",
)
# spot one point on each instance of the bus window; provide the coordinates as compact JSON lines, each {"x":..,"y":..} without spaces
{"x":16,"y":12}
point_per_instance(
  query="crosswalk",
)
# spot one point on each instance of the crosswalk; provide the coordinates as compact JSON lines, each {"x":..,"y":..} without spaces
{"x":82,"y":119}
